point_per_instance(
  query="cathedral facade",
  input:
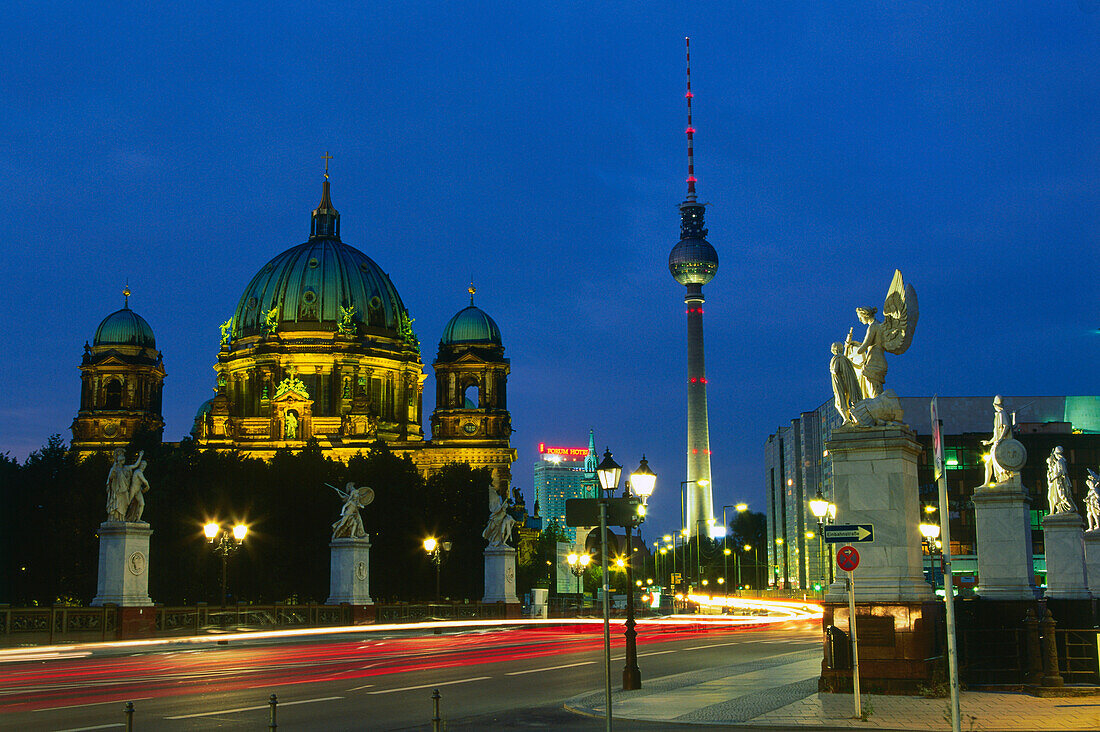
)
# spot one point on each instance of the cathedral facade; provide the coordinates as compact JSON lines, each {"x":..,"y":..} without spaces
{"x":321,"y":347}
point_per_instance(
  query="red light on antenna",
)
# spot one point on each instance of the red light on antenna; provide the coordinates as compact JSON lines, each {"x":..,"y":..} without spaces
{"x":692,"y":179}
{"x":694,"y":451}
{"x":690,"y":130}
{"x":689,"y":95}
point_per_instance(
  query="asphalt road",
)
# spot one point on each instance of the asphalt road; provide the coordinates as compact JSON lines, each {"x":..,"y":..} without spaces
{"x":497,"y":678}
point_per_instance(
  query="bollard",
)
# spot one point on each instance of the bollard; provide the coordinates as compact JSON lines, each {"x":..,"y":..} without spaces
{"x":129,"y":711}
{"x":1051,"y":677}
{"x":273,"y":702}
{"x":1034,"y":655}
{"x":436,"y":720}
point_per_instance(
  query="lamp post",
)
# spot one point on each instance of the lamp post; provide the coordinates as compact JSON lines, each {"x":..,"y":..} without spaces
{"x":435,"y":551}
{"x":641,"y":483}
{"x":930,"y":532}
{"x":819,"y":507}
{"x":577,"y":564}
{"x":225,"y":542}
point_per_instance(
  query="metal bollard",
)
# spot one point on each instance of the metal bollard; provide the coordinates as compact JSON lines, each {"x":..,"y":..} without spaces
{"x":273,"y":702}
{"x":436,"y":720}
{"x":1051,"y":677}
{"x":1034,"y":654}
{"x":129,"y":711}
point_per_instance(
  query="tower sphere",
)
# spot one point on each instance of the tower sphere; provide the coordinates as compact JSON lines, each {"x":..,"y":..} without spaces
{"x":124,"y":328}
{"x":693,"y":262}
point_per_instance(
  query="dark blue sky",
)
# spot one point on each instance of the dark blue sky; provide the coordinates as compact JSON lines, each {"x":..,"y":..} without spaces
{"x":540,"y":148}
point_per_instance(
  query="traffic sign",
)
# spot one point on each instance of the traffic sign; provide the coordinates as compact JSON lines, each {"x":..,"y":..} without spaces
{"x":845,"y":533}
{"x":676,"y":578}
{"x":937,"y":440}
{"x":586,"y":511}
{"x":847,"y":558}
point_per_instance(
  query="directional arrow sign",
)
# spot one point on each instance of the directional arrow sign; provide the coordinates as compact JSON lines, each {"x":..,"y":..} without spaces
{"x":848,"y":533}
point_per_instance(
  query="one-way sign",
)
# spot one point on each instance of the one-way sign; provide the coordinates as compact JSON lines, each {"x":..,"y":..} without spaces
{"x":848,"y":533}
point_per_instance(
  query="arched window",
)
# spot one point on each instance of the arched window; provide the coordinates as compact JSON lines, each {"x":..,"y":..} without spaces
{"x":114,"y":395}
{"x":470,"y":397}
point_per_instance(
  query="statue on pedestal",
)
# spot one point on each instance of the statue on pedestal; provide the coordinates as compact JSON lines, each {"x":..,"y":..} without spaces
{"x":138,"y":487}
{"x":120,"y":486}
{"x":1006,"y":454}
{"x":1092,"y":501}
{"x":873,"y":405}
{"x":350,"y":523}
{"x":498,"y":532}
{"x":1059,"y":493}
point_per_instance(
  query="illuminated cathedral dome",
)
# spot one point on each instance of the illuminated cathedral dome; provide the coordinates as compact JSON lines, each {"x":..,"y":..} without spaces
{"x":124,"y":328}
{"x":323,"y":284}
{"x":471,"y":325}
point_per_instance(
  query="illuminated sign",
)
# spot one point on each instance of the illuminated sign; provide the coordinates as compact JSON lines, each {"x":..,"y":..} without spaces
{"x":568,"y":453}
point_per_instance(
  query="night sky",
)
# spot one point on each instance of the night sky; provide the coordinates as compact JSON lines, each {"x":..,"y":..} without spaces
{"x":539,"y":149}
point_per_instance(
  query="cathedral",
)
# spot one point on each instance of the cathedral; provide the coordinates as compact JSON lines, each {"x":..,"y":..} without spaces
{"x":320,"y":347}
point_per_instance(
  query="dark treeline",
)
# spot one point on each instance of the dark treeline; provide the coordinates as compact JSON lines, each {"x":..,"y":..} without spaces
{"x":53,"y":505}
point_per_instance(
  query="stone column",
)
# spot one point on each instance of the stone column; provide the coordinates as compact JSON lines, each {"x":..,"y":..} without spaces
{"x":500,"y":575}
{"x":1003,"y":533}
{"x":1063,"y":534}
{"x":875,"y":482}
{"x":349,"y":572}
{"x":123,"y":564}
{"x":1092,"y":561}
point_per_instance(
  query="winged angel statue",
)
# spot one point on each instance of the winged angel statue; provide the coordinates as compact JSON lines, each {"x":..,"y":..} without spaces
{"x":859,"y":368}
{"x":350,"y":523}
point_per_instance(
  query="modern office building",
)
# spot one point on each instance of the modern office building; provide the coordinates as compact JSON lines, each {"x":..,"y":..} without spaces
{"x":562,"y":473}
{"x":798,"y":465}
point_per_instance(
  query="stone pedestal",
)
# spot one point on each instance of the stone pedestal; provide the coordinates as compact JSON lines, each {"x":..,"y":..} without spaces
{"x":1003,"y":534}
{"x":1092,"y":561}
{"x":123,"y":564}
{"x":875,"y":482}
{"x":349,"y":572}
{"x":1063,"y":534}
{"x":500,"y":575}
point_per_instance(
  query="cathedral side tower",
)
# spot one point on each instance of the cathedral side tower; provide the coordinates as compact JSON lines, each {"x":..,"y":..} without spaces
{"x":471,"y":417}
{"x":121,"y":375}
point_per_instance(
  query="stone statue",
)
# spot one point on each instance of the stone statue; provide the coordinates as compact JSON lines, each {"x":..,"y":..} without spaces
{"x":892,"y":335}
{"x":138,"y":487}
{"x":291,"y":426}
{"x":846,"y":389}
{"x":1092,"y":501}
{"x":119,"y":481}
{"x":346,"y":326}
{"x":1059,"y":492}
{"x":350,"y":524}
{"x":884,"y":409}
{"x":1002,"y":430}
{"x":226,"y":328}
{"x":271,"y":320}
{"x":498,"y":532}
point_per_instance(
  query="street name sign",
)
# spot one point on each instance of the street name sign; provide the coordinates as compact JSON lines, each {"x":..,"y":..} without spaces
{"x":586,"y":511}
{"x":848,"y":533}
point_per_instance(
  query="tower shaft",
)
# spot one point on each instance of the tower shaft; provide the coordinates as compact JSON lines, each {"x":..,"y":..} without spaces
{"x":699,"y":508}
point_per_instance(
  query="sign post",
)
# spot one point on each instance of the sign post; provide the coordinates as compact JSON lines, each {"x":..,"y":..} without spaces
{"x":847,"y":558}
{"x":948,"y":578}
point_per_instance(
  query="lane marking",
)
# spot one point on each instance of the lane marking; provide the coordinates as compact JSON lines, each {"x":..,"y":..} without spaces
{"x":364,"y":686}
{"x":713,"y":645}
{"x":98,"y":726}
{"x":658,"y":653}
{"x":250,"y":709}
{"x":428,"y":686}
{"x":548,"y":668}
{"x":92,"y":704}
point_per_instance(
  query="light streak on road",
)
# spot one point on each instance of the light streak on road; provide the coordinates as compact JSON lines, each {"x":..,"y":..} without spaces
{"x":780,"y":611}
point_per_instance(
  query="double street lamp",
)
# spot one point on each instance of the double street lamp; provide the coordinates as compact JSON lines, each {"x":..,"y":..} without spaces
{"x":931,"y":533}
{"x":225,"y":541}
{"x":435,"y":549}
{"x":641,"y":484}
{"x":822,"y":508}
{"x":577,"y":564}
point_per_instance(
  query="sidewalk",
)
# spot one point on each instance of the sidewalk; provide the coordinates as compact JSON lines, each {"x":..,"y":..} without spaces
{"x":781,"y":692}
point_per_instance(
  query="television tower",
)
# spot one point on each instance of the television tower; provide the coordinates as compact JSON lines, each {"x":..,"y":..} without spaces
{"x":693,"y":262}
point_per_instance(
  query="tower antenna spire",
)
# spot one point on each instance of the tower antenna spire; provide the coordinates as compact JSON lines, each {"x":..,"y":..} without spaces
{"x":690,"y":130}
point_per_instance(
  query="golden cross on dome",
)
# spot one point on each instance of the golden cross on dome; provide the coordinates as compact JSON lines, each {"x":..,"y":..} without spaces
{"x":126,"y":295}
{"x":471,"y":289}
{"x":326,"y":157}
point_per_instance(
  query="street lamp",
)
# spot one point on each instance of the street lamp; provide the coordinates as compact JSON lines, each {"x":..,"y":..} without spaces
{"x":930,"y":532}
{"x":435,"y":551}
{"x":577,"y":564}
{"x":641,"y":484}
{"x":819,"y":507}
{"x":225,"y":542}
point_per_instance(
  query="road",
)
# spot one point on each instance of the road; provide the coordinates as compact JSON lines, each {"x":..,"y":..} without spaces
{"x":488,"y":678}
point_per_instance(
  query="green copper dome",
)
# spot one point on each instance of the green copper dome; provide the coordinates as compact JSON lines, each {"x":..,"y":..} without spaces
{"x":124,"y":328}
{"x":471,"y":325}
{"x":323,"y":284}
